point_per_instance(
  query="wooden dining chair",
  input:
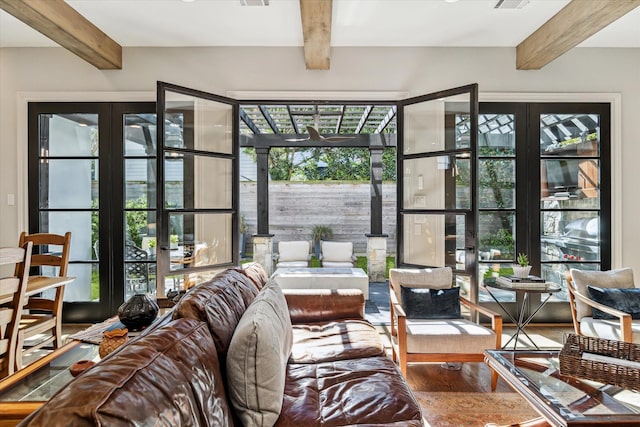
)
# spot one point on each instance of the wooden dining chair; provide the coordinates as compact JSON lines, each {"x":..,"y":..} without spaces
{"x":12,"y":289}
{"x":45,"y":315}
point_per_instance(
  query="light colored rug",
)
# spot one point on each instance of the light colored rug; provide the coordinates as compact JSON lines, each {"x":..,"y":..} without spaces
{"x":454,"y":409}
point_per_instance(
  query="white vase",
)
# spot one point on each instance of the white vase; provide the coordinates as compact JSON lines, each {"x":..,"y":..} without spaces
{"x":520,"y":271}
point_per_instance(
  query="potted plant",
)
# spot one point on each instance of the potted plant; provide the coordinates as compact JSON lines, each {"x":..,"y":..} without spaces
{"x":173,"y":241}
{"x":523,"y":268}
{"x":320,"y":232}
{"x":152,"y":246}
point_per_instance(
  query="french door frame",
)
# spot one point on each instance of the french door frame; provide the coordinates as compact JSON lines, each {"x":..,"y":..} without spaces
{"x":111,"y":198}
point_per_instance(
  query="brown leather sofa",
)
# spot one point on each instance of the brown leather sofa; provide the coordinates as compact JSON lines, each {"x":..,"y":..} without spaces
{"x":175,"y":373}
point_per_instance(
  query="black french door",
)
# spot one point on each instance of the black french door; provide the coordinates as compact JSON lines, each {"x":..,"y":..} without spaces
{"x":92,"y":172}
{"x":437,"y":182}
{"x":198,"y":190}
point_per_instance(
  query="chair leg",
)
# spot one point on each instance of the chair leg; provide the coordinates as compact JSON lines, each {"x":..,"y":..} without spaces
{"x":18,"y":351}
{"x":494,"y":380}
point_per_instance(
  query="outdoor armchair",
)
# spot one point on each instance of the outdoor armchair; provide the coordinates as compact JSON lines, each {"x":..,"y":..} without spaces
{"x":293,"y":254}
{"x":418,"y":336}
{"x":337,"y":255}
{"x":586,"y":321}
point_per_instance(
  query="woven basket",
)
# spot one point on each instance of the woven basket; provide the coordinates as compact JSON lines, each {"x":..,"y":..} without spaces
{"x":572,"y":363}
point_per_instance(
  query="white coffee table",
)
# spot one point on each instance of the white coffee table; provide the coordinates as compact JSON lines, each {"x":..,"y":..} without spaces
{"x":323,"y":278}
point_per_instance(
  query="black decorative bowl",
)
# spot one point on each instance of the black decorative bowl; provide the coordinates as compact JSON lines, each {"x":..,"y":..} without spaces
{"x":138,"y":312}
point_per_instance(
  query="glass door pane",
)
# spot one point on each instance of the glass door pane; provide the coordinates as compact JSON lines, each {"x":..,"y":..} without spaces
{"x":436,"y":212}
{"x":140,"y":182}
{"x":197,"y":226}
{"x":572,"y":143}
{"x":64,"y":150}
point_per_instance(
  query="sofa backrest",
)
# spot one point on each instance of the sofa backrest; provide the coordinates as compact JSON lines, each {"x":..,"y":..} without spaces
{"x":255,"y":271}
{"x":169,"y":378}
{"x":219,"y":302}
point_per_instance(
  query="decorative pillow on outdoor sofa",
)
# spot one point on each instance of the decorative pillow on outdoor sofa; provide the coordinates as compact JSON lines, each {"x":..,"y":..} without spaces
{"x":624,"y":299}
{"x":423,"y":303}
{"x":257,"y":358}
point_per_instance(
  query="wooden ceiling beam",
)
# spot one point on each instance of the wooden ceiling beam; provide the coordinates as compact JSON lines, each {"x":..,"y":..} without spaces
{"x":64,"y":25}
{"x":316,"y":29}
{"x":576,"y":22}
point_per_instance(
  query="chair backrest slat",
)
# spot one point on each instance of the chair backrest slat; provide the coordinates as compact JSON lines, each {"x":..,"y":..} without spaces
{"x":42,"y":257}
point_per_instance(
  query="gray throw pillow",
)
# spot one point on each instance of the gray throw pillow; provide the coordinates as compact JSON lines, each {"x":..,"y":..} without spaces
{"x":257,"y":358}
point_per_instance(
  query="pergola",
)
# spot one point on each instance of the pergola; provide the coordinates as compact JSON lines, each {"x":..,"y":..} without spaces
{"x":369,"y":126}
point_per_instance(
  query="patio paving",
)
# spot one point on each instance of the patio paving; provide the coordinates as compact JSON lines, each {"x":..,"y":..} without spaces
{"x":377,"y":306}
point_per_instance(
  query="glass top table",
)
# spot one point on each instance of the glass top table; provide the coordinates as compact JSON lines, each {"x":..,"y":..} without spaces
{"x":563,"y":400}
{"x":26,"y":390}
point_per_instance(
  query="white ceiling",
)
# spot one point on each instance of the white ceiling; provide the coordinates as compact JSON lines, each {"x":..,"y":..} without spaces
{"x":355,"y":23}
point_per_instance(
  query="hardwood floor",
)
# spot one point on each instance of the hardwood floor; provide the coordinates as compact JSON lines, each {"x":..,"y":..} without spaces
{"x":473,"y":377}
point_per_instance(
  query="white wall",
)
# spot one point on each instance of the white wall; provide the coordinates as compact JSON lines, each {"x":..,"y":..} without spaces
{"x":413,"y":70}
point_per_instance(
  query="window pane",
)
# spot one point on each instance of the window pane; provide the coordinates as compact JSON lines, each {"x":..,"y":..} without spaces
{"x":200,"y":239}
{"x":570,"y":135}
{"x":496,"y":183}
{"x":495,"y":236}
{"x":86,"y":287}
{"x":196,"y":123}
{"x":198,"y":182}
{"x":441,"y":124}
{"x":140,"y":135}
{"x":68,"y":184}
{"x":437,"y":183}
{"x":557,"y":273}
{"x":496,"y":136}
{"x":570,"y":236}
{"x":432,"y":240}
{"x":80,"y":224}
{"x":68,"y":135}
{"x":571,"y":179}
{"x":140,"y":183}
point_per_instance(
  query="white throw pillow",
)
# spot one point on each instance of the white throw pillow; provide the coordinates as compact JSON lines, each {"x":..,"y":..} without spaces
{"x":293,"y":251}
{"x":257,"y":358}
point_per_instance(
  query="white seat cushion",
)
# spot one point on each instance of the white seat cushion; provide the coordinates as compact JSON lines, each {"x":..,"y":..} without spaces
{"x":292,"y":264}
{"x":329,"y":264}
{"x":448,"y":336}
{"x":337,"y":252}
{"x":608,"y":329}
{"x":293,"y":251}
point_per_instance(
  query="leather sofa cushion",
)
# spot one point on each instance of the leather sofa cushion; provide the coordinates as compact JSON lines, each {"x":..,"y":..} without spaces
{"x":255,"y":272}
{"x":130,"y":387}
{"x":220,"y":302}
{"x":322,"y":342}
{"x":323,"y":305}
{"x":257,"y":358}
{"x":366,"y":391}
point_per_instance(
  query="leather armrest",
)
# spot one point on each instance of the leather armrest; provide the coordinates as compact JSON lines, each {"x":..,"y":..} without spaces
{"x":321,"y":305}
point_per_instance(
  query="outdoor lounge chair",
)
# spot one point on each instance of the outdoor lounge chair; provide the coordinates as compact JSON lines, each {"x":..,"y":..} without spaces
{"x":337,"y":255}
{"x":294,"y":254}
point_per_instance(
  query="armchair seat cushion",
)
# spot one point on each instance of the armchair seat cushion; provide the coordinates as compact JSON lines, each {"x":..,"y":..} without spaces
{"x":607,"y":329}
{"x":452,"y":336}
{"x":347,"y":339}
{"x":292,"y":264}
{"x":331,"y":264}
